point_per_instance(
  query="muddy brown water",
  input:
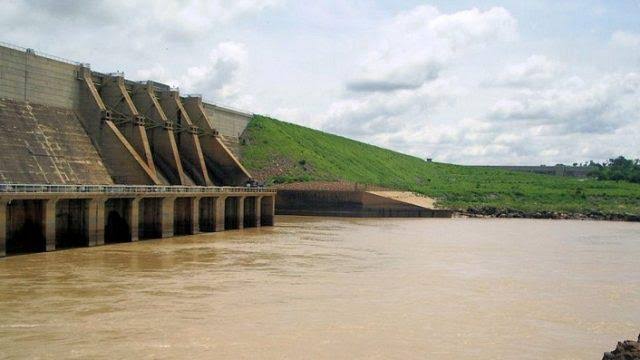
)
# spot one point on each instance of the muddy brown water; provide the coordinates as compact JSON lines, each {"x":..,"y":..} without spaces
{"x":333,"y":288}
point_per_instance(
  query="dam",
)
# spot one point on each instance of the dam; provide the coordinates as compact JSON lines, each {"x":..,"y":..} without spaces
{"x":89,"y":158}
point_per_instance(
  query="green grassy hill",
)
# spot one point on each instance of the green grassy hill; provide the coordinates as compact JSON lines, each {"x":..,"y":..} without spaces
{"x":280,"y":152}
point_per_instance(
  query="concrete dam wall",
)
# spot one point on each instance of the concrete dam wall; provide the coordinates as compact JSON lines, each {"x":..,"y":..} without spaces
{"x":88,"y":158}
{"x":42,"y":144}
{"x":169,"y":139}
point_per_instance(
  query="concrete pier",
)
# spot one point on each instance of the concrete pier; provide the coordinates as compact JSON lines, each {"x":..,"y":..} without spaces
{"x":35,"y":218}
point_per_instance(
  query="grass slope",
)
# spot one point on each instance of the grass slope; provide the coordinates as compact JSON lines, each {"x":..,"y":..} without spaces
{"x":281,"y":152}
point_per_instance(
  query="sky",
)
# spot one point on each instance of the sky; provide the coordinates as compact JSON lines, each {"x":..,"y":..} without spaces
{"x":467,"y":82}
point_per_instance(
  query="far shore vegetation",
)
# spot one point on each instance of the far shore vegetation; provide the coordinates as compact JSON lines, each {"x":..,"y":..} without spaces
{"x":280,"y":152}
{"x":618,"y":169}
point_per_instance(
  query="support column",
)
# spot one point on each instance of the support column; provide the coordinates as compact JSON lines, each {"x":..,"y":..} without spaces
{"x":167,"y":216}
{"x":267,"y":210}
{"x":273,"y":210}
{"x":134,"y":218}
{"x":240,"y":212}
{"x":195,"y":215}
{"x":49,"y":223}
{"x":219,"y":205}
{"x":258,"y":211}
{"x":96,"y":221}
{"x":3,"y":227}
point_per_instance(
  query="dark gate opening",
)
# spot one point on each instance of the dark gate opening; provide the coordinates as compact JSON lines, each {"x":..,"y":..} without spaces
{"x":25,"y":227}
{"x":72,"y":223}
{"x":250,"y":212}
{"x":150,"y":218}
{"x":182,"y":222}
{"x":207,"y":214}
{"x":117,"y":228}
{"x":231,"y":213}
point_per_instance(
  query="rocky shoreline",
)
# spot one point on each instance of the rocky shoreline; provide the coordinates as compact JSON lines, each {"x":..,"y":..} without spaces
{"x":626,"y":350}
{"x":493,"y":212}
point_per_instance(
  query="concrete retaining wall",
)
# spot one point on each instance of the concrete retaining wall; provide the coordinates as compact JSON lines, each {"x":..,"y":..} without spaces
{"x":27,"y":76}
{"x":348,"y":204}
{"x":229,"y":123}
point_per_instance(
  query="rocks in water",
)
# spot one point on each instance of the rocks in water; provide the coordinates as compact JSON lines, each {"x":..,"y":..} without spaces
{"x":493,"y":212}
{"x":626,"y":350}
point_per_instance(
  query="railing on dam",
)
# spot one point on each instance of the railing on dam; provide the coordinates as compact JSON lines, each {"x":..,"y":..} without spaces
{"x":125,"y":189}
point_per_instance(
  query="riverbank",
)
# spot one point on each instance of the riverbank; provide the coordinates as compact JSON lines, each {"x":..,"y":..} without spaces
{"x":277,"y":153}
{"x":492,"y":212}
{"x":345,"y":199}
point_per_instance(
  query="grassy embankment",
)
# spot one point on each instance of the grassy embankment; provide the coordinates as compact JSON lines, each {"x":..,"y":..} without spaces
{"x":281,"y":152}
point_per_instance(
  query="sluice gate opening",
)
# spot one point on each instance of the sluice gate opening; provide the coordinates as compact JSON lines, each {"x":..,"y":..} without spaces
{"x":231,"y":220}
{"x":72,"y":223}
{"x":182,"y":216}
{"x":25,"y":230}
{"x":250,"y":212}
{"x":89,"y":216}
{"x":150,"y":217}
{"x":207,"y":216}
{"x":117,"y":227}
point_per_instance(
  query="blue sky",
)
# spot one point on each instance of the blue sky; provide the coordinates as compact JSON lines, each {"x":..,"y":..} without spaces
{"x":470,"y":82}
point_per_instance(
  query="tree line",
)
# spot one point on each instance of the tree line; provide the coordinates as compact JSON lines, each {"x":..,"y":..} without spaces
{"x":617,"y":169}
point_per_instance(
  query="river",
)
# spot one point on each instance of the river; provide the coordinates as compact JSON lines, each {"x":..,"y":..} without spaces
{"x":333,"y":288}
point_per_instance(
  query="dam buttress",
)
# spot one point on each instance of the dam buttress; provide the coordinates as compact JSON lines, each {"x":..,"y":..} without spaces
{"x":88,"y":158}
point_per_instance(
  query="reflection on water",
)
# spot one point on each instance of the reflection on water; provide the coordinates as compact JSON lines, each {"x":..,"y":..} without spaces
{"x":333,"y":288}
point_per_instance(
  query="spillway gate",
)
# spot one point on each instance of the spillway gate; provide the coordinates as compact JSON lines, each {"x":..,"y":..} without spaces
{"x":35,"y":218}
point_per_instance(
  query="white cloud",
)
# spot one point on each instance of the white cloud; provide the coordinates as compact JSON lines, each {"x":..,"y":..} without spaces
{"x":416,"y":45}
{"x":537,"y":70}
{"x":399,"y":84}
{"x":221,"y":78}
{"x":114,"y":25}
{"x":475,"y":27}
{"x":187,"y":13}
{"x":625,"y":39}
{"x":602,"y":107}
{"x":566,"y":121}
{"x":380,"y":113}
{"x":539,"y":111}
{"x":223,"y":75}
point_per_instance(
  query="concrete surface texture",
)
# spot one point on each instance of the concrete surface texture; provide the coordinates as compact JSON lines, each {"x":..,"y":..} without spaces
{"x":143,"y":132}
{"x":355,"y":203}
{"x":406,"y":197}
{"x":46,"y":145}
{"x":89,"y":216}
{"x":26,"y":76}
{"x":230,"y":123}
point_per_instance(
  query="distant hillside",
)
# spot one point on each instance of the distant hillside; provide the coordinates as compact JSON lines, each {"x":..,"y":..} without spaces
{"x":280,"y":152}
